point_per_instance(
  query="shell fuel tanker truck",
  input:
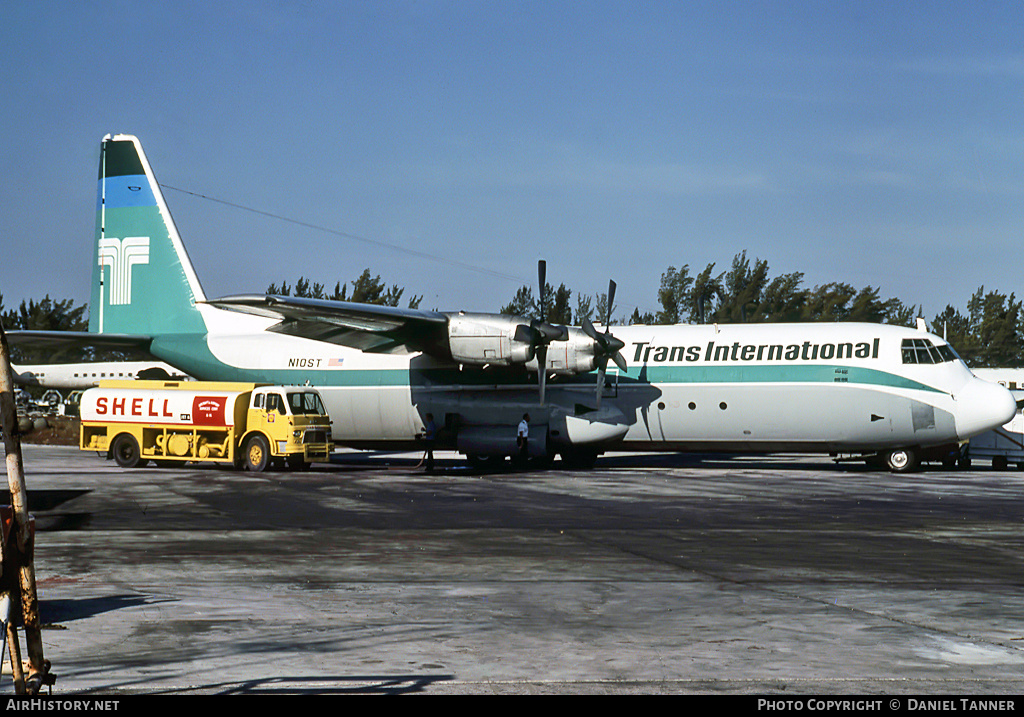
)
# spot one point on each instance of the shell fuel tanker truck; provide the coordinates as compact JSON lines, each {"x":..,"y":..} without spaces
{"x":241,"y":424}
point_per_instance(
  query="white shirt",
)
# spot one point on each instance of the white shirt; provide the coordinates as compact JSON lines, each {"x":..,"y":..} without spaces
{"x":524,"y":429}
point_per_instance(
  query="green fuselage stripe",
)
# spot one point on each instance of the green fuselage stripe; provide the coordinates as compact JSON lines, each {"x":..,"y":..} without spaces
{"x":191,"y":353}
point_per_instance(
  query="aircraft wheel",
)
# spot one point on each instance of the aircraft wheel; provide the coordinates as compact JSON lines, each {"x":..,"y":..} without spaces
{"x":875,"y":461}
{"x":999,"y":463}
{"x":257,"y":454}
{"x":901,"y":460}
{"x":579,"y":458}
{"x":491,"y":461}
{"x":126,"y":451}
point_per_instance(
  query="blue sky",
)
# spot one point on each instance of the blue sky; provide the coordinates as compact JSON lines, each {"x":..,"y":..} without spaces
{"x":448,"y":146}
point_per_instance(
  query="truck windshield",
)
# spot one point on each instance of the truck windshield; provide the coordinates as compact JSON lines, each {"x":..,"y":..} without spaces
{"x":306,"y":403}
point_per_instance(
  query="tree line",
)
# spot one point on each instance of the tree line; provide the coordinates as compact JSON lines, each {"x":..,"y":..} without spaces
{"x":366,"y":289}
{"x":989,"y":332}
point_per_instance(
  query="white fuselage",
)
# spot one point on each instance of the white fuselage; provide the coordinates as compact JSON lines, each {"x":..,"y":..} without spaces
{"x":765,"y":387}
{"x":74,"y":376}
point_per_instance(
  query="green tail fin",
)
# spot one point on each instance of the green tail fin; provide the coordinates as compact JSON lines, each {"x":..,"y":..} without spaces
{"x":142,"y":279}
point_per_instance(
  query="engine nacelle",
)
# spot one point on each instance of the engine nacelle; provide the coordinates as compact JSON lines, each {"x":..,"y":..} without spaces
{"x":571,"y":355}
{"x":500,"y":340}
{"x":494,"y":339}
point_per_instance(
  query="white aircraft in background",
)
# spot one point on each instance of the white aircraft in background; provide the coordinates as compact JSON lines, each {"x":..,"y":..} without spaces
{"x":76,"y":376}
{"x":886,"y":392}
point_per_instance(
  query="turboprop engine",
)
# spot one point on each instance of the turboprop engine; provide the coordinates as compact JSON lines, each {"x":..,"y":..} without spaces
{"x":492,"y":339}
{"x":501,"y":340}
{"x":572,"y":353}
{"x":498,"y":339}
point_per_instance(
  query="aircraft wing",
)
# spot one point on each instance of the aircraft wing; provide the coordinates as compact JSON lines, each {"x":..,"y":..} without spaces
{"x":367,"y":327}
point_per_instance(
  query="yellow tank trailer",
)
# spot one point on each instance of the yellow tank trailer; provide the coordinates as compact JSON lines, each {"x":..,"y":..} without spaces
{"x":243,"y":424}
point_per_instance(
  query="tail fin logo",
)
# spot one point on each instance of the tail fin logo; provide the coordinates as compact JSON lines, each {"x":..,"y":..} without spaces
{"x":122,"y":255}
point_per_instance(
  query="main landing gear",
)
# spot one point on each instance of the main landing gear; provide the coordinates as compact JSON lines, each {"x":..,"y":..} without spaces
{"x":902,"y":460}
{"x":897,"y":460}
{"x":908,"y":460}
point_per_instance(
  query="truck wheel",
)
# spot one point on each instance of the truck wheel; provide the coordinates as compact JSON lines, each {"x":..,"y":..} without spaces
{"x":126,"y":451}
{"x":257,"y":454}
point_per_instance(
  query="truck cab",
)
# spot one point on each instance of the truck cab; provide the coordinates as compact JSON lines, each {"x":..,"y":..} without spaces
{"x":291,"y":420}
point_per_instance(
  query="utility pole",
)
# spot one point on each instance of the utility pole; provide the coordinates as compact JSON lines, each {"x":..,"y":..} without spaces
{"x":18,"y":547}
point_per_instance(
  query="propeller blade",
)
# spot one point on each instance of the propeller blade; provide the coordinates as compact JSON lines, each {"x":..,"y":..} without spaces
{"x":545,"y":332}
{"x":542,"y":371}
{"x":606,"y":346}
{"x":611,"y":302}
{"x":542,"y":270}
{"x":524,"y":334}
{"x":612,"y":344}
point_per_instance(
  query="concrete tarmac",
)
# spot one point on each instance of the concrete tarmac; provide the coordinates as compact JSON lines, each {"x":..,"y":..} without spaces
{"x":779,"y":576}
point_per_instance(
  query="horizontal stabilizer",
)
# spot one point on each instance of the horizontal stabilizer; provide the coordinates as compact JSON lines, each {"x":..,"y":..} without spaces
{"x":77,"y":339}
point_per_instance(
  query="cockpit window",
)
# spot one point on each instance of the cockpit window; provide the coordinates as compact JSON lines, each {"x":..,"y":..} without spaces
{"x":948,"y":354}
{"x":923,"y":351}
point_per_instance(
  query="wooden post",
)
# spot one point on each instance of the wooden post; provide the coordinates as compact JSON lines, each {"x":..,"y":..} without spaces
{"x":17,"y":670}
{"x":21,"y":531}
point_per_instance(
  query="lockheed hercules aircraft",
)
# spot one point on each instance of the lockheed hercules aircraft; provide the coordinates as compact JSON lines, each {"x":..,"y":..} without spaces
{"x":885,"y":392}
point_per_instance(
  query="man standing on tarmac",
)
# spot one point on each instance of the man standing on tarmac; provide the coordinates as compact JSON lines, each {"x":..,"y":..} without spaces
{"x":523,"y":439}
{"x":430,"y":436}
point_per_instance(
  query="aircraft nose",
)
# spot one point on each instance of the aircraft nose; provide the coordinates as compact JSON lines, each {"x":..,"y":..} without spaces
{"x":982,"y":406}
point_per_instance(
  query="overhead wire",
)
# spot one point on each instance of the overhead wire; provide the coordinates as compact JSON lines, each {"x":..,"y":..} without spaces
{"x":348,"y":235}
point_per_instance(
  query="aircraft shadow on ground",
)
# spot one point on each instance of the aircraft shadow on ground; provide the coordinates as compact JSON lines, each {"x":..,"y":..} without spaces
{"x":339,"y":685}
{"x":637,"y":461}
{"x":322,"y":685}
{"x":60,"y":611}
{"x":43,"y":499}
